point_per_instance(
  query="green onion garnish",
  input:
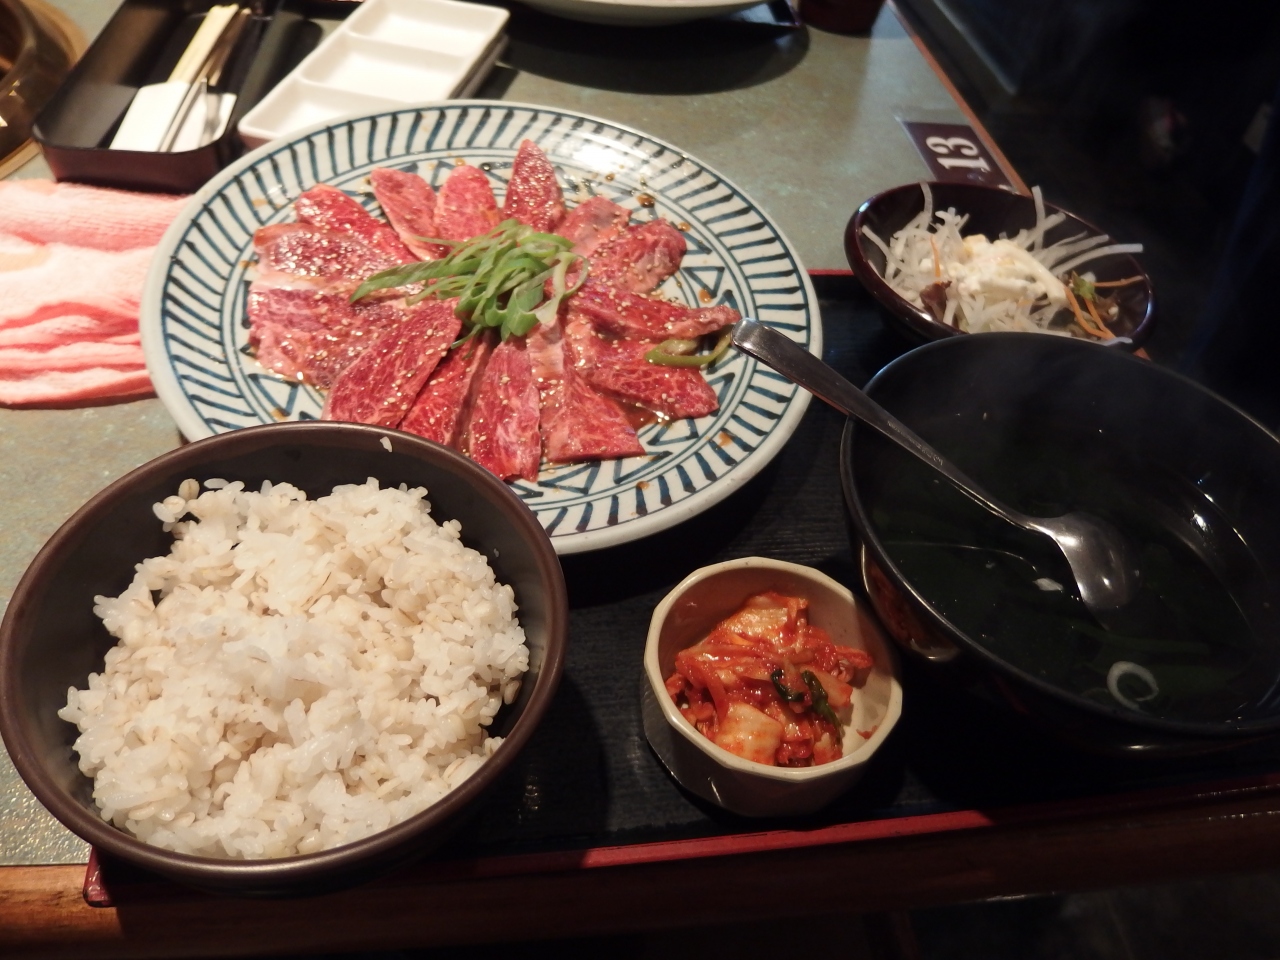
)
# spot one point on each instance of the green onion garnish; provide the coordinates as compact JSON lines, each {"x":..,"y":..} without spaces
{"x":498,"y":278}
{"x":820,"y":705}
{"x":1083,"y":288}
{"x":679,"y":353}
{"x":787,"y":695}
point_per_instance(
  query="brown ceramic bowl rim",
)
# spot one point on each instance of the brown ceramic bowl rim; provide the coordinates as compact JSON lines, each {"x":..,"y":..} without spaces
{"x":303,"y":868}
{"x":919,"y":320}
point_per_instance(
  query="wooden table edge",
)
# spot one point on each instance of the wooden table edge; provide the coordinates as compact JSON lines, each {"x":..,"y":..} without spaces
{"x":963,"y":105}
{"x":42,"y":913}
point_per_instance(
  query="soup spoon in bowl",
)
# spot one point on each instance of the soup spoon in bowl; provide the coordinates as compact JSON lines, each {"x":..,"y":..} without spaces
{"x":1101,"y":560}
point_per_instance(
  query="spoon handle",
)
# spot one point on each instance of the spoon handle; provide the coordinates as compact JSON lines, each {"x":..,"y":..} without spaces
{"x":804,"y":369}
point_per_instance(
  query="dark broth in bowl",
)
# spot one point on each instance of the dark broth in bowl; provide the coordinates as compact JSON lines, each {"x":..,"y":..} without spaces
{"x":1194,"y":628}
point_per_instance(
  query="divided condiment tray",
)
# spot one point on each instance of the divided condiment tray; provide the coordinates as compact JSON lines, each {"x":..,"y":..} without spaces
{"x":386,"y":54}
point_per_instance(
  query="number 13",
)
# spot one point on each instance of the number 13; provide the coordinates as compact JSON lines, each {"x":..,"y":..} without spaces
{"x":970,"y":155}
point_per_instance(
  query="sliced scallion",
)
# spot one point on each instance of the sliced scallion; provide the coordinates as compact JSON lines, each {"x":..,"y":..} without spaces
{"x":786,"y":693}
{"x":679,"y":353}
{"x":820,"y":704}
{"x":498,"y":278}
{"x":1083,"y":288}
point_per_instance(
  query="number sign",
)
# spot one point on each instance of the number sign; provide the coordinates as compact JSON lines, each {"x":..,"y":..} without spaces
{"x":954,"y":152}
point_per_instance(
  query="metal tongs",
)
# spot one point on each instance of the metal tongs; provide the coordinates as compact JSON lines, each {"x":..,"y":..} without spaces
{"x":1101,"y":559}
{"x":202,"y":66}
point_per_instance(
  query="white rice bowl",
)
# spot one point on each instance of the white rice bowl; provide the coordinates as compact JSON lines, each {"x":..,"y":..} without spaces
{"x":296,"y":674}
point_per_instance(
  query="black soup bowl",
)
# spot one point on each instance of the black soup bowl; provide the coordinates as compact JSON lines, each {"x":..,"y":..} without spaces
{"x":51,"y":640}
{"x":1051,"y":424}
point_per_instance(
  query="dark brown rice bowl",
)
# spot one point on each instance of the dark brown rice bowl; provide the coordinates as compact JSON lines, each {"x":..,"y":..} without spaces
{"x":51,"y":640}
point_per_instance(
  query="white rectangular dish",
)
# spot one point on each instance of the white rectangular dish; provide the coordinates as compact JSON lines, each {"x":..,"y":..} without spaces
{"x":386,"y":54}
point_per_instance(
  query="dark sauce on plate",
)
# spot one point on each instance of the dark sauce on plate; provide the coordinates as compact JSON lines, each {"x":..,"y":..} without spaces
{"x":1190,"y":625}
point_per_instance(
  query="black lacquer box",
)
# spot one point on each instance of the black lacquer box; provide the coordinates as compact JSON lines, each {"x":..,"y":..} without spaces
{"x":139,"y":46}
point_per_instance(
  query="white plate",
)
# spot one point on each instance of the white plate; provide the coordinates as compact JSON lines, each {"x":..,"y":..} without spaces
{"x":195,"y":331}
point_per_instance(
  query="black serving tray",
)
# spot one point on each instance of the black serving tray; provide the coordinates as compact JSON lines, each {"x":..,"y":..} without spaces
{"x":588,"y":791}
{"x":140,"y":45}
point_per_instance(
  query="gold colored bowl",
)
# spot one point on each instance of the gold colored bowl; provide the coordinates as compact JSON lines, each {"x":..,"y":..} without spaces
{"x":38,"y":46}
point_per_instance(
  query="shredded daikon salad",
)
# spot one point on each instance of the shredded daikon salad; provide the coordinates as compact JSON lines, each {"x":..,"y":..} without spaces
{"x":979,"y":285}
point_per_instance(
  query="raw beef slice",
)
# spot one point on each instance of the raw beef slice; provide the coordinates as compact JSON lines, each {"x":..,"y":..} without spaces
{"x":592,"y":223}
{"x":502,"y":434}
{"x":444,"y":404}
{"x":617,"y":368}
{"x":382,"y":383}
{"x":640,"y":257}
{"x":313,"y":332}
{"x":326,"y":206}
{"x":627,"y":314}
{"x":465,"y":206}
{"x":575,"y":421}
{"x":534,"y":196}
{"x":307,"y":250}
{"x":410,"y":205}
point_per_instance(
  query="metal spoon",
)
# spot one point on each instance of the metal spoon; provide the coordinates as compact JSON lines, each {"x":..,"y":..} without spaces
{"x":1100,"y":559}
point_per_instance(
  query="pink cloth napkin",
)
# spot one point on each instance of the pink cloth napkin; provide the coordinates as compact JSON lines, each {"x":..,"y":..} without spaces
{"x":72,"y":263}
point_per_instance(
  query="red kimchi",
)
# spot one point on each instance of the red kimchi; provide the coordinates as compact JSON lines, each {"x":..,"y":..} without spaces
{"x":768,"y":685}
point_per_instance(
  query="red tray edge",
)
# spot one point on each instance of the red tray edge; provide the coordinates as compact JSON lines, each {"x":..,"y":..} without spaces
{"x":96,"y":893}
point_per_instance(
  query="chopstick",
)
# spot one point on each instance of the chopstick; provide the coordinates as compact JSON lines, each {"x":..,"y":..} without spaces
{"x":187,"y":69}
{"x":202,"y":63}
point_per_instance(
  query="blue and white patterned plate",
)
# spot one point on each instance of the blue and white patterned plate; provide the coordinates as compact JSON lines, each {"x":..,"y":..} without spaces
{"x":195,"y":331}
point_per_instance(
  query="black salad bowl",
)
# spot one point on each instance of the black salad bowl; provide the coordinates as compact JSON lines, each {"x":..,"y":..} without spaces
{"x":995,"y":212}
